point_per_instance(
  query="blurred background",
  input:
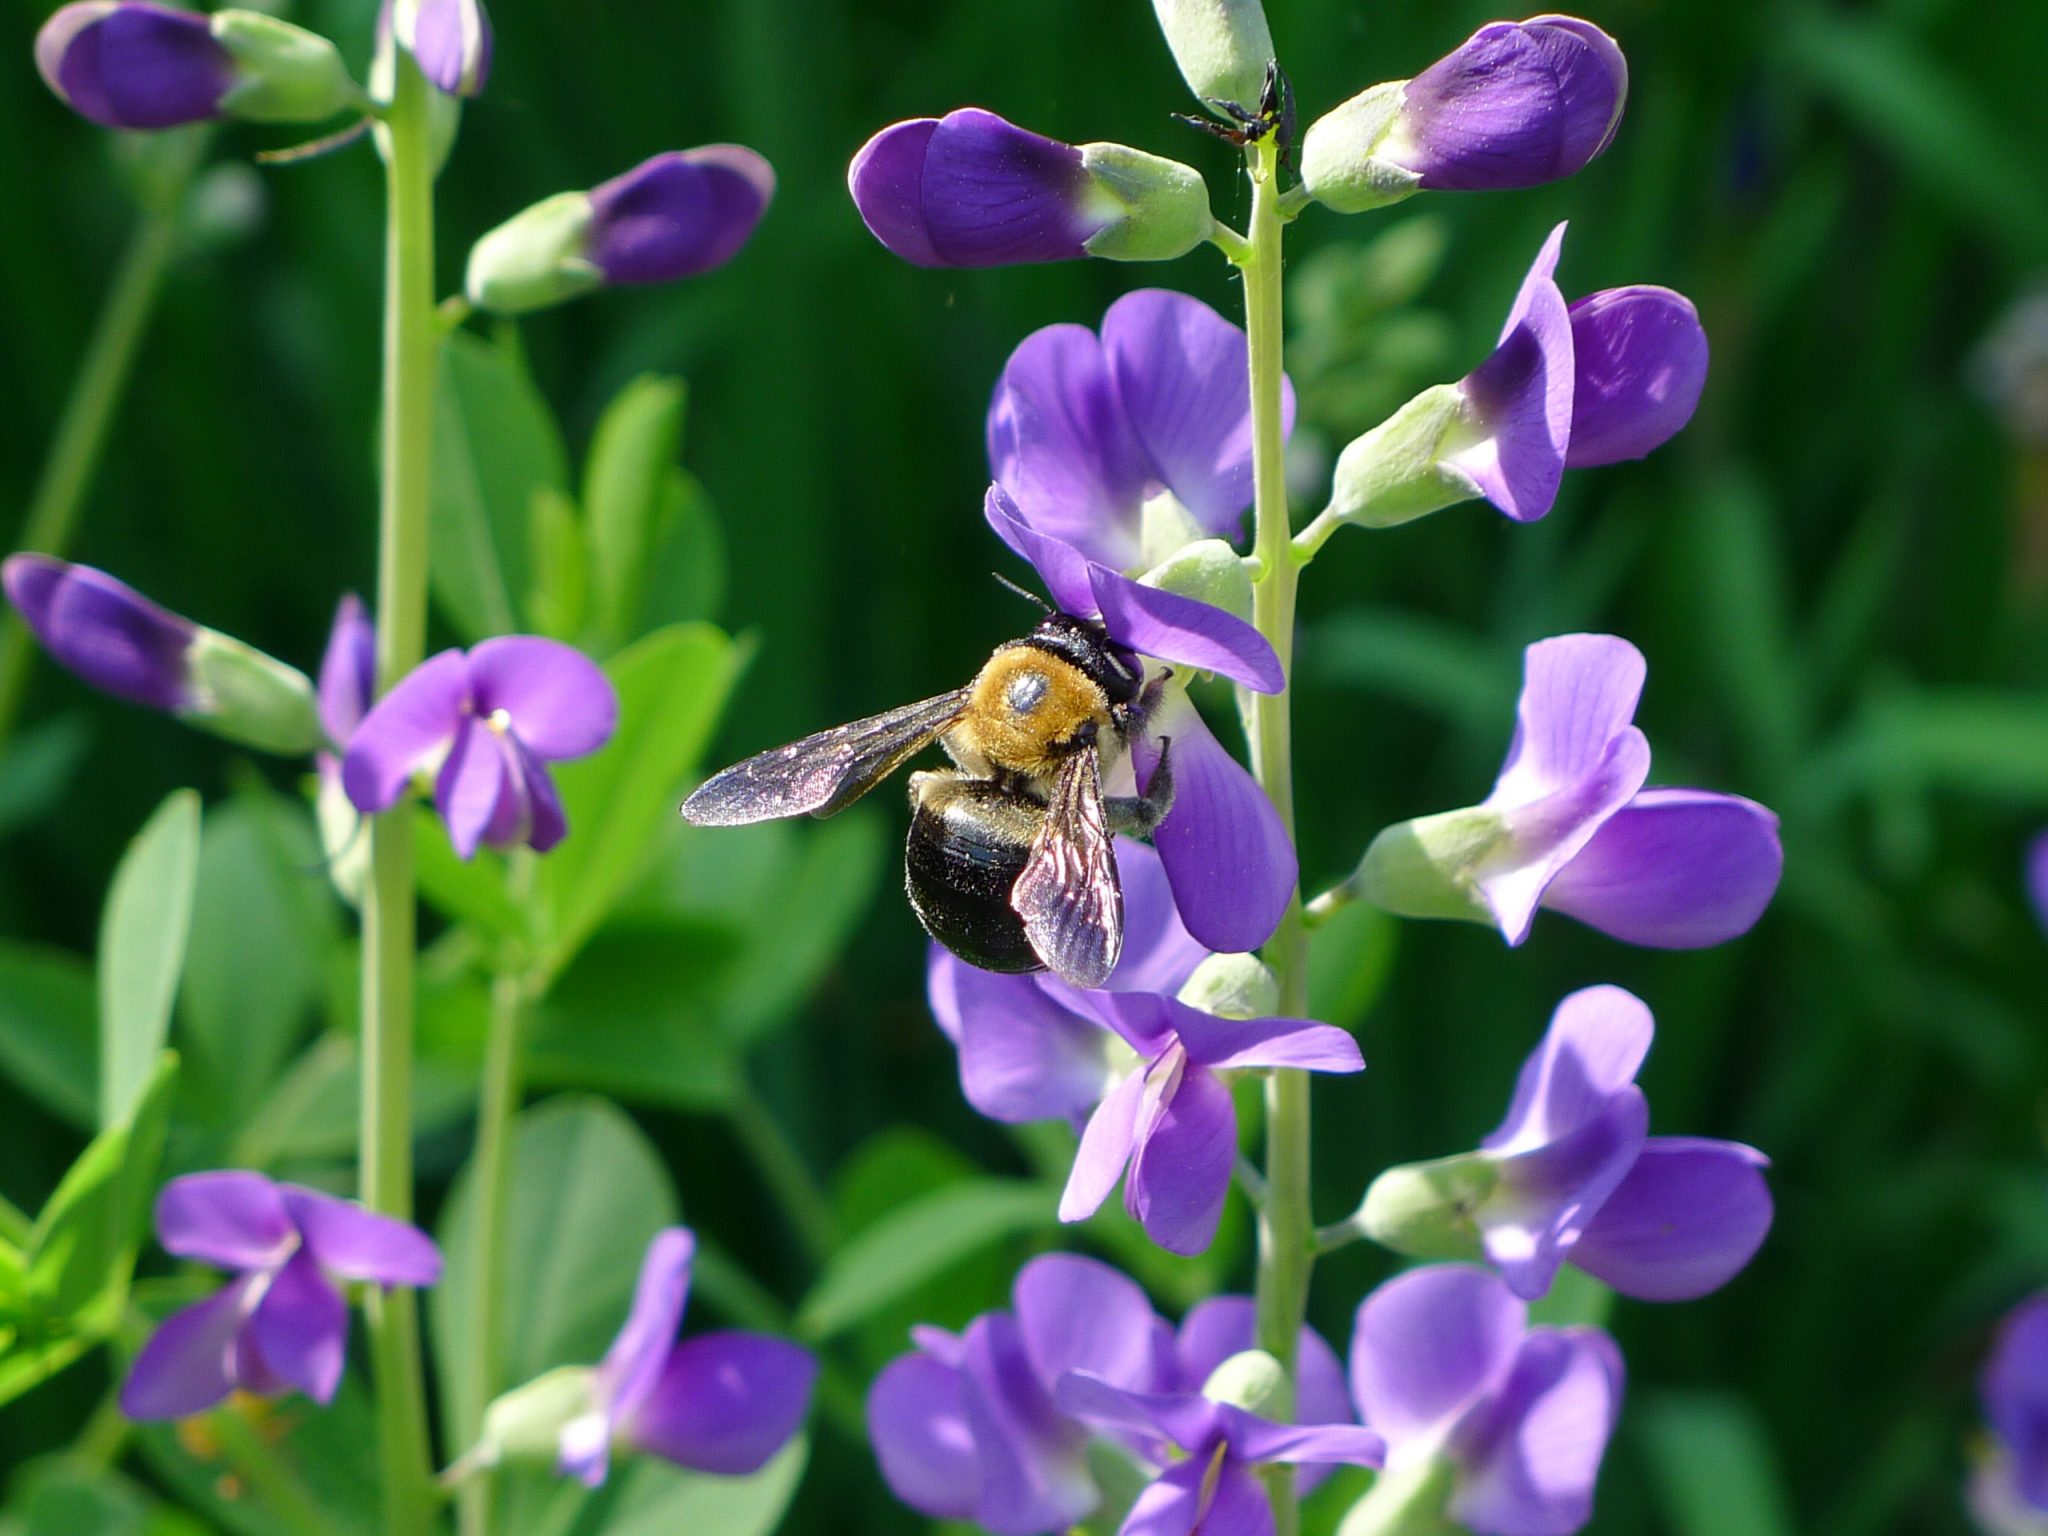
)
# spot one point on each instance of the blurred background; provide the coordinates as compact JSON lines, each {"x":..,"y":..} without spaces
{"x":1839,"y":575}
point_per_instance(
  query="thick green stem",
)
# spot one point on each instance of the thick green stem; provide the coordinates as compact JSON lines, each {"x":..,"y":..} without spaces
{"x":1286,"y":1234}
{"x":410,"y":344}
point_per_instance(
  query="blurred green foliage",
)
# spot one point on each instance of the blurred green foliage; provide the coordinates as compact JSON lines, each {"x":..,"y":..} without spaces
{"x":1837,"y":573}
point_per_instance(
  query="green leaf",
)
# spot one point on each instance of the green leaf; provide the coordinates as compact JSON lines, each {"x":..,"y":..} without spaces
{"x":1712,"y":1465}
{"x":672,"y":685}
{"x":467,"y":890}
{"x":626,"y":487}
{"x":1424,"y":662}
{"x":559,"y":603}
{"x":689,"y":562}
{"x":917,"y":1240}
{"x":49,"y":1031}
{"x":83,"y":1247}
{"x":1971,"y":742}
{"x":495,"y":445}
{"x":143,"y":929}
{"x":660,"y":1500}
{"x":587,"y":1194}
{"x":38,"y":767}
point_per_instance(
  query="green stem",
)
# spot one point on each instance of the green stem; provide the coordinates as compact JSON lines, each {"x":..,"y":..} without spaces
{"x":257,"y":1464}
{"x":89,"y":413}
{"x":410,"y":345}
{"x":491,"y":1180}
{"x":1286,"y":1236}
{"x":785,"y":1171}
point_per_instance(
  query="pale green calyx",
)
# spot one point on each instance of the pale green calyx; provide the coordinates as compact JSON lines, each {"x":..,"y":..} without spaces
{"x":283,"y":73}
{"x":238,"y":692}
{"x":1429,"y":1210}
{"x":1233,"y":987}
{"x":1346,"y":155}
{"x":1253,"y":1381}
{"x":1410,"y":1499}
{"x":535,"y":258}
{"x":1154,"y":209}
{"x":1406,"y":467}
{"x":1209,"y":571}
{"x":1430,"y":867}
{"x":526,"y":1423}
{"x":1221,"y":46}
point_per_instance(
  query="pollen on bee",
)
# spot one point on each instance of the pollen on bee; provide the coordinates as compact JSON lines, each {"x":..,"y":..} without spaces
{"x":1028,"y":707}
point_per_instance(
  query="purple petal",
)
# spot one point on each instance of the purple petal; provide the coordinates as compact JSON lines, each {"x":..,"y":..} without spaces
{"x":1061,"y":444}
{"x":134,"y":65}
{"x":1159,"y":953}
{"x":2037,"y":877}
{"x":726,"y":1403}
{"x":1547,"y":1195}
{"x":678,"y":214}
{"x":1686,"y":1219}
{"x":1024,"y":1056}
{"x":547,"y":822}
{"x":1033,"y":1461}
{"x":1105,"y":1148}
{"x":558,"y":700}
{"x":1146,"y":1020}
{"x":886,"y":181}
{"x":2015,"y":1393}
{"x":102,"y":629}
{"x":1640,"y":361}
{"x":231,"y":1219}
{"x":1173,"y":1504}
{"x":1180,"y":1172}
{"x":451,"y":40}
{"x":1530,"y":1459}
{"x":1428,"y":1344}
{"x":1544,"y":836}
{"x":917,"y":1422}
{"x":1077,"y":1314}
{"x":1063,"y":568}
{"x":188,"y":1364}
{"x":1225,"y":1043}
{"x":1522,"y":395}
{"x":1181,"y":374}
{"x":1595,"y":1045}
{"x":1228,"y":858}
{"x":406,"y":729}
{"x":1258,"y":1440}
{"x":991,"y":193}
{"x":1188,"y":1419}
{"x":637,"y":1355}
{"x":1185,"y":630}
{"x":477,"y":793}
{"x":1674,"y":869}
{"x":1516,"y":105}
{"x":348,"y":671}
{"x":1579,"y":693}
{"x":300,"y":1328}
{"x":361,"y":1245}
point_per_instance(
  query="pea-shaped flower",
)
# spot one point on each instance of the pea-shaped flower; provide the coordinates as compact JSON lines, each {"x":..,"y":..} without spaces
{"x":971,"y":190}
{"x":486,"y":724}
{"x":674,"y":216}
{"x":1517,"y":104}
{"x":132,"y":64}
{"x":280,"y":1324}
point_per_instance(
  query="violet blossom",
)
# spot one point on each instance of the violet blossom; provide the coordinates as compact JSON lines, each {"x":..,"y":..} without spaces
{"x":1571,"y":1175}
{"x":450,"y":40}
{"x":1569,"y":825}
{"x":280,"y":1324}
{"x":1499,"y":1425}
{"x":2009,"y":1489}
{"x":2037,"y":877}
{"x":486,"y":723}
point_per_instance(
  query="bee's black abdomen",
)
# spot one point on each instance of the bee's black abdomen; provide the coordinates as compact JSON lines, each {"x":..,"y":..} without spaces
{"x":969,"y":840}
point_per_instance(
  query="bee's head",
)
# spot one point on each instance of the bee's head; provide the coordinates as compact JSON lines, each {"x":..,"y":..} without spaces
{"x":1086,"y":644}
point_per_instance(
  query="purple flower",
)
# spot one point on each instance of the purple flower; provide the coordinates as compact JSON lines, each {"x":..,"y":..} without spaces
{"x":1444,"y":1364}
{"x":280,"y":1324}
{"x":971,"y":190}
{"x":2009,"y":1493}
{"x":678,"y":214}
{"x":450,"y":40}
{"x":2037,"y":877}
{"x":104,"y":630}
{"x":1570,"y":827}
{"x":1214,"y":1487}
{"x":720,"y":1402}
{"x":129,"y":64}
{"x":486,"y":723}
{"x":1227,"y":857}
{"x":348,"y":671}
{"x":1085,"y":430}
{"x":1570,"y":1175}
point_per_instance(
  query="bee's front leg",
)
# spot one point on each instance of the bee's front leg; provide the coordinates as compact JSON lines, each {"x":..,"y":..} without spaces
{"x":1138,"y":815}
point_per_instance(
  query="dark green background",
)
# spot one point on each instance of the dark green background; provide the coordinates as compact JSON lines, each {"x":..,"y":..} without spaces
{"x":1837,"y":574}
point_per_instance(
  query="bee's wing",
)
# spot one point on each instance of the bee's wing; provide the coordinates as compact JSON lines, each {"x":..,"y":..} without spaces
{"x":1068,"y":894}
{"x":822,"y":773}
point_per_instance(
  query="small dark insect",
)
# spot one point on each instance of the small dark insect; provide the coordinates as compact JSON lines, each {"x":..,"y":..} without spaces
{"x":1274,"y":115}
{"x":1009,"y":863}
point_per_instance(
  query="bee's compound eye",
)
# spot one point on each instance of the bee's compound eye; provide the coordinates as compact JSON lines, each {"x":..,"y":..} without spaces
{"x":1026,"y":691}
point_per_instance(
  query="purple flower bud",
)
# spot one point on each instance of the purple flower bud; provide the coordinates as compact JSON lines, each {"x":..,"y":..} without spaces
{"x":348,"y":671}
{"x":678,"y":214}
{"x":971,"y":190}
{"x":130,"y":64}
{"x":104,"y":630}
{"x":450,"y":40}
{"x":1639,"y":357}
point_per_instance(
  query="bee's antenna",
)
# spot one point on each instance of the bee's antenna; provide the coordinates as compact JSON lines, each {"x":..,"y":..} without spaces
{"x":1024,"y":592}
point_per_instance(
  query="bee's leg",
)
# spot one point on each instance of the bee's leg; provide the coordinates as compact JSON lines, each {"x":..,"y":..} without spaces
{"x":1140,"y":814}
{"x":1136,"y":715}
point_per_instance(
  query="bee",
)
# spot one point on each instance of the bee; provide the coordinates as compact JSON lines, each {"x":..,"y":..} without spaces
{"x":1009,"y":862}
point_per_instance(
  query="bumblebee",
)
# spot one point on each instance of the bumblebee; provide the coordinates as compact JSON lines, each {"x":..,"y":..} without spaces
{"x":1009,"y":862}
